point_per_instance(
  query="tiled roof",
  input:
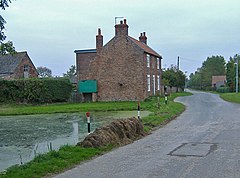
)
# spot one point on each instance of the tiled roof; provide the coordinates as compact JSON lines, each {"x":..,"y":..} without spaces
{"x":9,"y":62}
{"x":145,"y":47}
{"x":216,"y":79}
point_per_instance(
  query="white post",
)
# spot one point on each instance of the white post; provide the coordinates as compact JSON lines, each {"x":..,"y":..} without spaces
{"x":237,"y":75}
{"x":88,"y":122}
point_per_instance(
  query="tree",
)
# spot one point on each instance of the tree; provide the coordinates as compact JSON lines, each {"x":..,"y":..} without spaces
{"x":231,"y":72}
{"x":71,"y":72}
{"x":213,"y":66}
{"x":4,"y":3}
{"x":44,"y":72}
{"x":8,"y":46}
{"x":174,"y":77}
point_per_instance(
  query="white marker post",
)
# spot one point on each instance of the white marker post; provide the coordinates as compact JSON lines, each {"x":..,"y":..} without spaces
{"x":88,"y":122}
{"x":166,"y":98}
{"x":139,"y":111}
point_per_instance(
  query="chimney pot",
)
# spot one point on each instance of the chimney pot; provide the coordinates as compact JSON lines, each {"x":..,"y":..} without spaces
{"x":121,"y":29}
{"x":143,"y":38}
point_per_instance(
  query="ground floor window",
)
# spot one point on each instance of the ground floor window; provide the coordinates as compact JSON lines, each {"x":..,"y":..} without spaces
{"x":148,"y":83}
{"x":158,"y":81}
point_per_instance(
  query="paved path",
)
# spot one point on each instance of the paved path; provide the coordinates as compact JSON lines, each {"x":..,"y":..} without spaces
{"x":203,"y":142}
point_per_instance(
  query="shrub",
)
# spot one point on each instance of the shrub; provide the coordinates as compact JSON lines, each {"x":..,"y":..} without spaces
{"x":35,"y":90}
{"x":223,"y":90}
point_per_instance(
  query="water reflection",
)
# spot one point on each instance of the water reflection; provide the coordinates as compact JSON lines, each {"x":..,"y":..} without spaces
{"x":24,"y":137}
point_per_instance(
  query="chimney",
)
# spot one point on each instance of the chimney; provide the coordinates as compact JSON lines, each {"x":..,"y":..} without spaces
{"x":99,"y":40}
{"x":121,"y":29}
{"x":143,"y":38}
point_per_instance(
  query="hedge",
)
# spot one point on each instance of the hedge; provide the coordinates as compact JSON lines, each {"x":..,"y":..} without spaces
{"x":35,"y":90}
{"x":223,"y":89}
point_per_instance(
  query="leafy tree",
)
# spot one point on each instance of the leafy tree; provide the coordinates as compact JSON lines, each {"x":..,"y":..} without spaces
{"x":202,"y":79}
{"x":213,"y":66}
{"x":4,"y":3}
{"x":8,"y":46}
{"x":174,"y":77}
{"x":231,"y":72}
{"x":44,"y":72}
{"x":71,"y":72}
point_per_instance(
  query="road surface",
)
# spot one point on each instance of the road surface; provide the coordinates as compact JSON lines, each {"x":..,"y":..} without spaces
{"x":204,"y":142}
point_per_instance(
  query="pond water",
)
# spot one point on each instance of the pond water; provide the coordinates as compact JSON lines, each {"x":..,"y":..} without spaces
{"x":24,"y":137}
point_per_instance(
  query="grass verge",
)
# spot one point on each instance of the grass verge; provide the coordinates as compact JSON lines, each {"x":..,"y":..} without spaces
{"x":231,"y":97}
{"x":68,"y":156}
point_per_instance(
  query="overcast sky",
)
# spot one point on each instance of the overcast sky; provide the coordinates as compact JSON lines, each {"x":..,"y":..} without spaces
{"x":50,"y":30}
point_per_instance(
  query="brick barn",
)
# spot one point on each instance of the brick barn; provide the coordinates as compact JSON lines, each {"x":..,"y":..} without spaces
{"x":17,"y":66}
{"x":124,"y":69}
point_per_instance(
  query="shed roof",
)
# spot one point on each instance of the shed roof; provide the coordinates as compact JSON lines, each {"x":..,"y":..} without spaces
{"x":9,"y":62}
{"x":216,"y":79}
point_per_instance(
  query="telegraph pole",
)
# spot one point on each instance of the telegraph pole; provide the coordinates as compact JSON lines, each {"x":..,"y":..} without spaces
{"x":178,"y":63}
{"x":237,"y":75}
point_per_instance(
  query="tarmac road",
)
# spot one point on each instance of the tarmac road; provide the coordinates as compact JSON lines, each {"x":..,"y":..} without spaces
{"x":204,"y":142}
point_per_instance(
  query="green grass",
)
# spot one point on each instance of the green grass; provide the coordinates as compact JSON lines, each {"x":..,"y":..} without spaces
{"x":54,"y":162}
{"x":231,"y":97}
{"x":68,"y":156}
{"x":65,"y":108}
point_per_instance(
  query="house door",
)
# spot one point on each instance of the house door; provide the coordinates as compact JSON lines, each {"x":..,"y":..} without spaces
{"x":154,"y":85}
{"x":87,"y":97}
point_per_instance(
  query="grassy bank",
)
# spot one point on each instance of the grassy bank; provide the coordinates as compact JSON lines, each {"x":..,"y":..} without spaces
{"x":68,"y":156}
{"x":231,"y":97}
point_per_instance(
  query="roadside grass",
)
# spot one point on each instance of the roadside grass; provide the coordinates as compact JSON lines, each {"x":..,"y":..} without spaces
{"x":68,"y":156}
{"x":231,"y":97}
{"x":54,"y":162}
{"x":66,"y":108}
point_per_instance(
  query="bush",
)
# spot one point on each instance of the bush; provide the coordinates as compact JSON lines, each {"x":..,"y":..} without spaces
{"x":35,"y":90}
{"x":223,"y":90}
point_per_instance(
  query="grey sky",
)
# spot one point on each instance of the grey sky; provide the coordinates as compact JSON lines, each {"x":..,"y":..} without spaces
{"x":193,"y":29}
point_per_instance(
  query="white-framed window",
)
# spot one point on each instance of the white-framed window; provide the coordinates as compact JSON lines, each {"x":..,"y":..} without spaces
{"x":158,"y":63}
{"x":158,"y":81}
{"x":25,"y":68}
{"x":154,"y":85}
{"x":148,"y":60}
{"x":148,"y":83}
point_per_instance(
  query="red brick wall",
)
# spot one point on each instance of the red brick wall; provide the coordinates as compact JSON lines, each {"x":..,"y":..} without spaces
{"x":121,"y":71}
{"x":19,"y":71}
{"x":83,"y":60}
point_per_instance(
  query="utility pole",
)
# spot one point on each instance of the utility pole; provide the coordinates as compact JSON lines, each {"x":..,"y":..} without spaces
{"x":237,"y":75}
{"x":178,"y":63}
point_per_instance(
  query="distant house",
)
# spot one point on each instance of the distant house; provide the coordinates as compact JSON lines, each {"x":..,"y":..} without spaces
{"x":124,"y":69}
{"x":218,"y":81}
{"x":16,"y":66}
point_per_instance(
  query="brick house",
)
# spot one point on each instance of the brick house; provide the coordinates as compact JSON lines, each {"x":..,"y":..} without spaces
{"x":218,"y":81}
{"x":124,"y":69}
{"x":16,"y":66}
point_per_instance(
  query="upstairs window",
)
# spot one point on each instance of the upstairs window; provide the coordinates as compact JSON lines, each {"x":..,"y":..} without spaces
{"x":158,"y":63}
{"x":25,"y":68}
{"x":148,"y":60}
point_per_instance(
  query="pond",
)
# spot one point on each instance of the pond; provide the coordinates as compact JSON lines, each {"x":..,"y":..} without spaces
{"x":24,"y":137}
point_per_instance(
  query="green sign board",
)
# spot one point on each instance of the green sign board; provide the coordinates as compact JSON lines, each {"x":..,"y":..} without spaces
{"x":87,"y":86}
